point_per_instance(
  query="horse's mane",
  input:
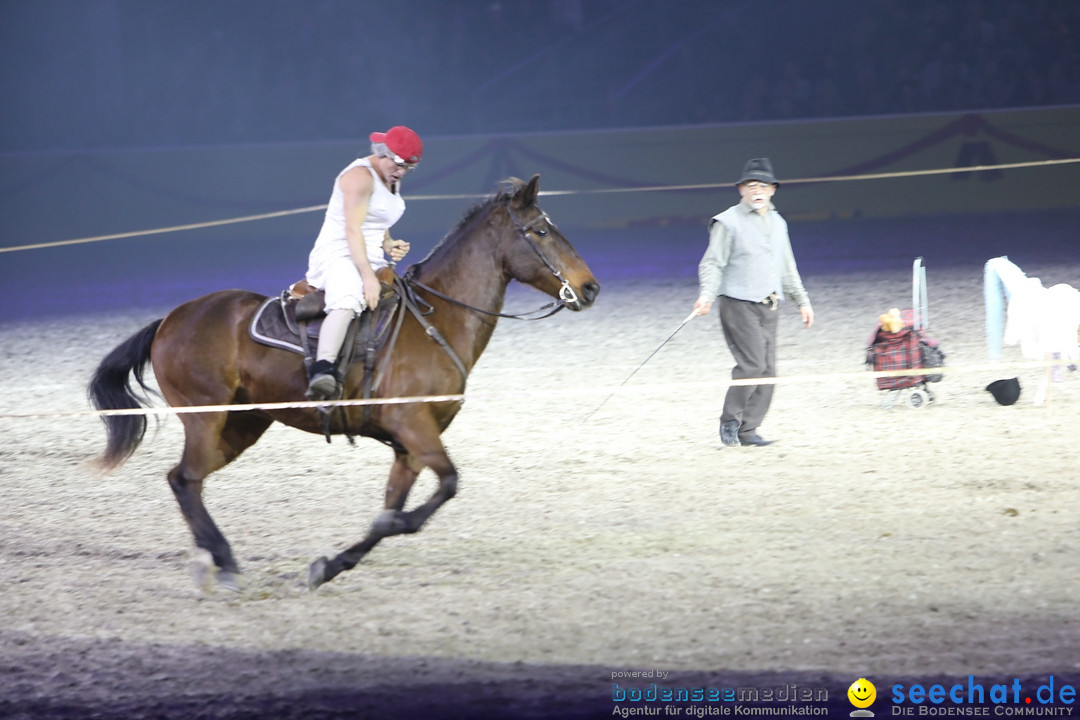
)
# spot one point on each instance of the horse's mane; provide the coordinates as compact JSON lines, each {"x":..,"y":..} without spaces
{"x":505,"y":190}
{"x":502,"y":194}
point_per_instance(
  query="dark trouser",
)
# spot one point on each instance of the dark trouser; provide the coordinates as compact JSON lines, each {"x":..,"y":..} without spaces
{"x":750,"y":331}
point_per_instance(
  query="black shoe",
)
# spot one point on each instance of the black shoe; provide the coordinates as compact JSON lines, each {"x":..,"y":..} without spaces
{"x":729,"y":433}
{"x":324,"y":381}
{"x":754,"y":440}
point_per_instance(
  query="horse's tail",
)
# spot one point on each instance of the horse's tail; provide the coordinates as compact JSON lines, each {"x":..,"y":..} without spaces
{"x":110,"y":389}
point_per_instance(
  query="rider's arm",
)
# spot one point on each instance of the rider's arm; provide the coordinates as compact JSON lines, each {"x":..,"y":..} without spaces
{"x":356,"y":186}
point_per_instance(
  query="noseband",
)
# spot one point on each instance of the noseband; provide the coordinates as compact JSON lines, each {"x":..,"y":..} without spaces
{"x":566,"y":292}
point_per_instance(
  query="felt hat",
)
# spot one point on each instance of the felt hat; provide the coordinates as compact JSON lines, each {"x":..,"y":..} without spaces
{"x":401,"y":141}
{"x":759,"y":169}
{"x":1006,"y":392}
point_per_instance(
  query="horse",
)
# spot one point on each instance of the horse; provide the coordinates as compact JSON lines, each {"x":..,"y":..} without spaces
{"x":201,"y":354}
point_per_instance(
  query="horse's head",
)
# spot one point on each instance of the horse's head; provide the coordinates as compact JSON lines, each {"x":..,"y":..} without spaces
{"x":537,"y":254}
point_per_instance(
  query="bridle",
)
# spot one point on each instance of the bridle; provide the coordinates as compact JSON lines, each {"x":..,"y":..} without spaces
{"x":567,"y":295}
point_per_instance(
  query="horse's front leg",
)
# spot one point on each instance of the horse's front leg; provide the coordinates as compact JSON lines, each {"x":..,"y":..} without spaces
{"x":393,"y":520}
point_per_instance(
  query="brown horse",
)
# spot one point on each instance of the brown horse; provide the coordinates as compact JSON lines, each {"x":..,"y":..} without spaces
{"x":202,"y":355}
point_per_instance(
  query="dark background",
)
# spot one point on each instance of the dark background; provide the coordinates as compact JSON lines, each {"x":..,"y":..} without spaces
{"x":81,"y":74}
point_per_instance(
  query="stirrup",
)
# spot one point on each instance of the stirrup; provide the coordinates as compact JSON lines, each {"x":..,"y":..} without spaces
{"x":322,"y":387}
{"x":324,"y":383}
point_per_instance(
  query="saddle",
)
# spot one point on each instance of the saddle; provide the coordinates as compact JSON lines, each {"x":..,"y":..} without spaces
{"x":292,"y":321}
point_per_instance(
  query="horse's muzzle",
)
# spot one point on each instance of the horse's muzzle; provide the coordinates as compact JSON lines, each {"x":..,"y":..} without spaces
{"x":586,"y":296}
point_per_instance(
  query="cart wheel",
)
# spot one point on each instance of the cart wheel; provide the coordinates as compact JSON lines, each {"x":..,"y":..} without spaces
{"x":929,"y":397}
{"x":918,"y":398}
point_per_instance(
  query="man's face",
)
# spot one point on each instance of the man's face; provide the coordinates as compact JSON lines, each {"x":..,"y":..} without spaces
{"x":757,"y":194}
{"x":390,"y":170}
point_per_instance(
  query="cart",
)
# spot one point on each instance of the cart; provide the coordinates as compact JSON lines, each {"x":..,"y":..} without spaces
{"x":909,"y":348}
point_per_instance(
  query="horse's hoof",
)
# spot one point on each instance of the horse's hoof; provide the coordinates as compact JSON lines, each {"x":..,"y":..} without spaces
{"x":316,"y":574}
{"x":201,"y":567}
{"x":229,"y":580}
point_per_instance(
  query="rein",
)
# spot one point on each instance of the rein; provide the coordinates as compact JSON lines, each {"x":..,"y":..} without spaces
{"x":566,"y":292}
{"x":555,"y":306}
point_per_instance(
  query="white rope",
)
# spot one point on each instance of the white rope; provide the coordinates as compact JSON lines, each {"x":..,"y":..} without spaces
{"x":159,"y":231}
{"x":826,"y":178}
{"x":571,"y":392}
{"x":546,"y":193}
{"x":242,"y":407}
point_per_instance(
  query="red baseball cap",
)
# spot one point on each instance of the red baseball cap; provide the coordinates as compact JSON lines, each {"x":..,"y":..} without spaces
{"x":401,"y":141}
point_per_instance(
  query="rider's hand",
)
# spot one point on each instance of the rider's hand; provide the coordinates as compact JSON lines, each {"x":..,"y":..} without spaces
{"x":396,"y":249}
{"x":372,"y":289}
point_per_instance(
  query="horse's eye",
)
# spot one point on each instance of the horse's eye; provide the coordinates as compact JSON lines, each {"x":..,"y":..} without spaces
{"x":542,"y":232}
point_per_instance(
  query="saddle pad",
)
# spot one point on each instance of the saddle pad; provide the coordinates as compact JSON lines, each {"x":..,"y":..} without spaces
{"x":274,"y":324}
{"x":269,"y":326}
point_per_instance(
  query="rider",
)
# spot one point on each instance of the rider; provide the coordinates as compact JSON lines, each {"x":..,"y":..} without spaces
{"x":354,"y":241}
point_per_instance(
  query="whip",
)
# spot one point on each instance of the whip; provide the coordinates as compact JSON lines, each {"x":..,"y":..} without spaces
{"x":688,"y":318}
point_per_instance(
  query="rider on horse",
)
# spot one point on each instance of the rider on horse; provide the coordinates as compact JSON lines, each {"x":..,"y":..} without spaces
{"x":354,"y":241}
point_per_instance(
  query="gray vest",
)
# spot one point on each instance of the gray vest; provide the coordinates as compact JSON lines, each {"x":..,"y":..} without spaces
{"x":756,"y":266}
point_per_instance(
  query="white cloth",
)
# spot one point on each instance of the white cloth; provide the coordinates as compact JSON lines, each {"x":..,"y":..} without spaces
{"x":1061,"y":323}
{"x":330,"y":266}
{"x":1042,"y":321}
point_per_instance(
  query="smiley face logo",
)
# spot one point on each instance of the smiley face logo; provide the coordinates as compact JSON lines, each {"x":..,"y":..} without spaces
{"x":862,"y":693}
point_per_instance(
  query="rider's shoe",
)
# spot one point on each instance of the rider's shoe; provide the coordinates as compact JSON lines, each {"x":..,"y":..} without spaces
{"x":324,"y":381}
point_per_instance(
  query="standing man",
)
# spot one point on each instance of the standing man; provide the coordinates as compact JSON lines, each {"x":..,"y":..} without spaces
{"x":750,"y":266}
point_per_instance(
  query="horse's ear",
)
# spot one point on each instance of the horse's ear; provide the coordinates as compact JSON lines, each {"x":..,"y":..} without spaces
{"x":526,"y":195}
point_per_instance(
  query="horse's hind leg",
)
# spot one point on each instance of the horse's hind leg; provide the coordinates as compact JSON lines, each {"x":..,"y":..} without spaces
{"x":208,"y":538}
{"x":394,"y":520}
{"x":211,"y":442}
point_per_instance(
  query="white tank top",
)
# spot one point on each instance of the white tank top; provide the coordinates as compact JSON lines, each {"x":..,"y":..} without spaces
{"x":384,"y":209}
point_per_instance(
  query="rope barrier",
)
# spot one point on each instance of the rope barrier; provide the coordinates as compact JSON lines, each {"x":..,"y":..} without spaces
{"x":826,"y":178}
{"x":570,"y":392}
{"x":544,"y":193}
{"x":241,"y":407}
{"x":159,"y":231}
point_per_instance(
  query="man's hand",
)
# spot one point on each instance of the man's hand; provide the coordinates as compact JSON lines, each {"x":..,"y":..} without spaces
{"x":396,"y":249}
{"x":702,"y":306}
{"x":372,"y":289}
{"x":807,"y":313}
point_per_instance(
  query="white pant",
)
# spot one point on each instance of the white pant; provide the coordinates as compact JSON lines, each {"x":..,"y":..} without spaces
{"x":341,"y":282}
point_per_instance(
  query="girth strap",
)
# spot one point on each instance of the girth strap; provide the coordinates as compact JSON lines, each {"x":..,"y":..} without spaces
{"x":343,"y":362}
{"x":367,"y":335}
